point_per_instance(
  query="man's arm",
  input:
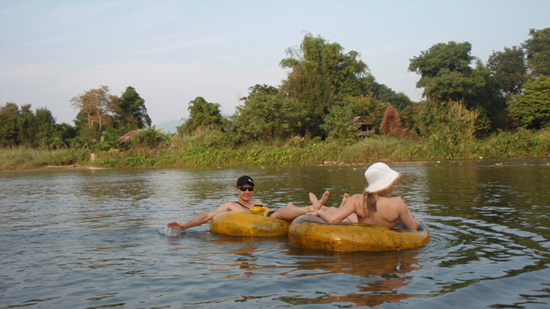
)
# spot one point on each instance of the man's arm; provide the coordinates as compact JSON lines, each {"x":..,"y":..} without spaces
{"x":202,"y":218}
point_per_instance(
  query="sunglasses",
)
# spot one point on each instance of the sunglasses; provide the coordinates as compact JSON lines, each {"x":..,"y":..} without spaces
{"x":246,"y":188}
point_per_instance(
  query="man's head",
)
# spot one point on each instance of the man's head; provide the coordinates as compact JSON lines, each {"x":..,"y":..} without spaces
{"x":245,"y":188}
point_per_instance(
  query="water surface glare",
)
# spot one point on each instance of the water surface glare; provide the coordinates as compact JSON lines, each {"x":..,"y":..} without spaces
{"x":90,"y":239}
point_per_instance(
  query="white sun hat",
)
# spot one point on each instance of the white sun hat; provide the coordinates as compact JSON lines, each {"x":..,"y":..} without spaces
{"x":380,"y":177}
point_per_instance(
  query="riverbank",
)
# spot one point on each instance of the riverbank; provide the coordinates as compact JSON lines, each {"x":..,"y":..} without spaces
{"x":203,"y":150}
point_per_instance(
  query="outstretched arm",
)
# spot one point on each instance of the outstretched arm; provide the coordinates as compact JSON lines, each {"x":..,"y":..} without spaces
{"x":200,"y":219}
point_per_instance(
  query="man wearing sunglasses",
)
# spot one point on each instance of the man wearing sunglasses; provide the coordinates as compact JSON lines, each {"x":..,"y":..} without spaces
{"x":245,"y":190}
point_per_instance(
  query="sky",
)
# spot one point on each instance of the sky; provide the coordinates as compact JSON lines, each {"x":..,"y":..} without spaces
{"x":174,"y":51}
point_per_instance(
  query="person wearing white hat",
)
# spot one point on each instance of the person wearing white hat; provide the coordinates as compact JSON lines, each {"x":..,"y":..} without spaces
{"x":373,"y":206}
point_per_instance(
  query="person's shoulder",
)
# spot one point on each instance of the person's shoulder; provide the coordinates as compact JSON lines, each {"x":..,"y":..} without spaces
{"x":391,"y":201}
{"x":229,"y":205}
{"x":397,"y":201}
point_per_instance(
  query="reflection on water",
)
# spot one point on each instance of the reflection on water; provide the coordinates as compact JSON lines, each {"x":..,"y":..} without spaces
{"x":382,"y":276}
{"x":90,"y":239}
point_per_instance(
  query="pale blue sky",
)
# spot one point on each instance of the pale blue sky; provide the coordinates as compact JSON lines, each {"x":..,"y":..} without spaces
{"x":173,"y":51}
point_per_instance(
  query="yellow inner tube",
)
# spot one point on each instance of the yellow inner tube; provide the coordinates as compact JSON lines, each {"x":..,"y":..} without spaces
{"x":246,"y":224}
{"x":311,"y":232}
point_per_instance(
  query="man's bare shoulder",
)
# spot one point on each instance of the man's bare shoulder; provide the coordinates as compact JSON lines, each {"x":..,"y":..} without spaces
{"x":230,"y":206}
{"x":236,"y":206}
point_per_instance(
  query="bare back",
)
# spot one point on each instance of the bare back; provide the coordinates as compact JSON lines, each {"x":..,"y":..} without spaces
{"x":388,"y":212}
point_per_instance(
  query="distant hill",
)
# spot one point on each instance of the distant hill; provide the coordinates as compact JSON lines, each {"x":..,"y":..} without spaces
{"x":169,"y":126}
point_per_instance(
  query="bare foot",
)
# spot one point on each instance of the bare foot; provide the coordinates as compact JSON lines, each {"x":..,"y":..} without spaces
{"x":313,"y":199}
{"x":324,"y":199}
{"x":316,"y":203}
{"x":344,"y":199}
{"x":290,"y":205}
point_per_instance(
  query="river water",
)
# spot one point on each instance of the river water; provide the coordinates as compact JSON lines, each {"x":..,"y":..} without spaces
{"x":90,"y":239}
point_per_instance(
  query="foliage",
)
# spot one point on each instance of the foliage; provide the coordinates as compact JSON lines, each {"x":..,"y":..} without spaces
{"x":8,"y":125}
{"x":322,"y":75}
{"x":261,"y":89}
{"x":369,"y":108}
{"x":24,"y":158}
{"x":449,"y":127}
{"x":185,"y":151}
{"x":131,"y":112}
{"x":509,"y":70}
{"x":400,"y":101}
{"x":338,"y":124}
{"x":107,"y":140}
{"x":515,"y":144}
{"x":532,"y":107}
{"x":324,"y":90}
{"x":202,"y":114}
{"x":267,"y":117}
{"x":23,"y":127}
{"x":538,"y":52}
{"x":210,"y":137}
{"x":100,"y":111}
{"x":97,"y":105}
{"x":446,"y":75}
{"x":444,"y":71}
{"x":391,"y":124}
{"x":487,"y":99}
{"x":149,"y":138}
{"x":408,"y":118}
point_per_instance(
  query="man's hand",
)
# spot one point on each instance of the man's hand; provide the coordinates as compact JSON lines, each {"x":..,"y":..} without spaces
{"x":175,"y":225}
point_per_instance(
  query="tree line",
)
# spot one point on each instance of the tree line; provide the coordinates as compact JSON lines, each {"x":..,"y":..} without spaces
{"x":325,"y":89}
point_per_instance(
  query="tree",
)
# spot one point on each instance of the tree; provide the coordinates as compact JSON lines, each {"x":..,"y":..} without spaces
{"x":261,"y":89}
{"x":446,"y":76}
{"x":338,"y":123}
{"x":449,"y":126}
{"x":391,"y":124}
{"x":538,"y":52}
{"x":532,"y":107}
{"x":22,"y":126}
{"x":322,"y":76}
{"x":408,"y":118}
{"x":487,"y":98}
{"x":445,"y":72}
{"x":27,"y":127}
{"x":268,"y":117}
{"x":132,"y":112}
{"x":368,"y":107}
{"x":97,"y":107}
{"x":202,"y":114}
{"x":398,"y":100}
{"x":9,"y":114}
{"x":509,"y":70}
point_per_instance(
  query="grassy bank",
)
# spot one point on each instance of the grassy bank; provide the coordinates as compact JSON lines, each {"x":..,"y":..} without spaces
{"x":207,"y":148}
